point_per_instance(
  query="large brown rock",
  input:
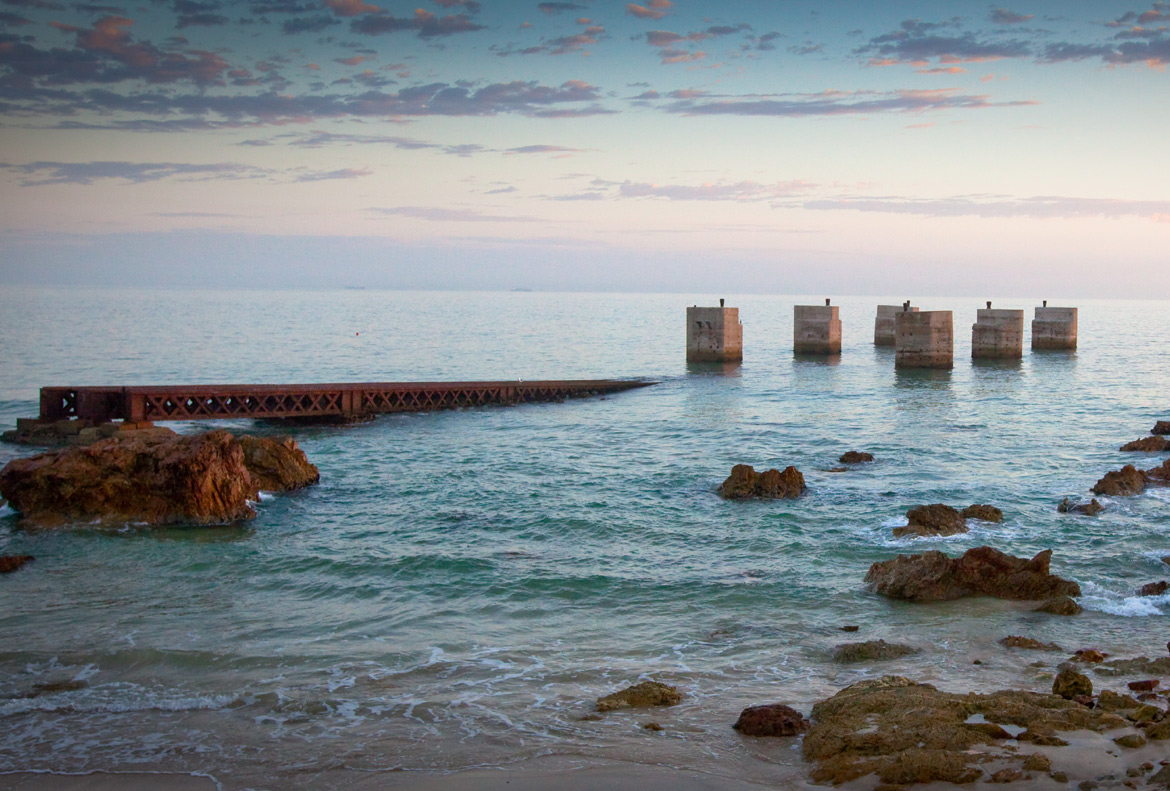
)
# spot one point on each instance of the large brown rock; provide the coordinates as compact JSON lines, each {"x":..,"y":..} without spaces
{"x":771,"y":719}
{"x":932,"y":520}
{"x":909,"y":733}
{"x":1159,"y":475}
{"x":1148,"y":444}
{"x":193,"y":479}
{"x":1154,"y":588}
{"x":744,"y":482}
{"x":1121,"y":483}
{"x":643,"y":695}
{"x":982,"y":571}
{"x":855,"y":457}
{"x":984,"y":513}
{"x":1161,"y":427}
{"x":1069,"y":683}
{"x":277,"y":465}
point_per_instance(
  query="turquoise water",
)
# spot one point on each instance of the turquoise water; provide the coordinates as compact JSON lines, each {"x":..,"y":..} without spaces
{"x":462,"y":585}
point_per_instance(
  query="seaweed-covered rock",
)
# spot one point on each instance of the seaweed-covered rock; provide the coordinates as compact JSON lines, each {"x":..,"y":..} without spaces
{"x":1121,"y":483}
{"x":982,"y":571}
{"x":10,"y":563}
{"x":1016,"y":641}
{"x":855,"y":457}
{"x":932,"y":520}
{"x":744,"y":483}
{"x":771,"y":719}
{"x":1091,"y":508}
{"x":984,"y":513}
{"x":912,"y":733}
{"x":1154,"y":588}
{"x":1060,"y":605}
{"x":871,"y":651}
{"x":643,"y":695}
{"x":1069,"y":683}
{"x":1148,"y":444}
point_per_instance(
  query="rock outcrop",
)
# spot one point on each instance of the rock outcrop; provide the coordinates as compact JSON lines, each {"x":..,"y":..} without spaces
{"x":1155,"y":444}
{"x":277,"y":465}
{"x":745,"y":483}
{"x":771,"y":719}
{"x":164,"y":479}
{"x":1068,"y":684}
{"x":1154,"y":588}
{"x":1091,"y":508}
{"x":871,"y":651}
{"x":1121,"y":483}
{"x":10,"y":563}
{"x":643,"y":695}
{"x":932,"y":520}
{"x":1161,"y":427}
{"x":984,"y":513}
{"x":1159,"y":475}
{"x":855,"y":457}
{"x":982,"y":571}
{"x":909,"y":733}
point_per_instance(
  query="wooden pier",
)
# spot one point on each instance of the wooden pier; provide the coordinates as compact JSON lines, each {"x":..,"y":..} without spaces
{"x":150,"y":404}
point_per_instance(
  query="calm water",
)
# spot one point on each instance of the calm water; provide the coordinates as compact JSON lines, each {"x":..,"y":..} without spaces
{"x":462,"y":585}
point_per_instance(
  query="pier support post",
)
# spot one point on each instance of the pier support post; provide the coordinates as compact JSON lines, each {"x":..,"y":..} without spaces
{"x":997,"y":334}
{"x":714,"y":335}
{"x":924,"y":339}
{"x":1054,"y":328}
{"x":816,"y":329}
{"x":884,"y":327}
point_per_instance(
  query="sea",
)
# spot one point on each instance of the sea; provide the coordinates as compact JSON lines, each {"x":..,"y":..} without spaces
{"x":463,"y":585}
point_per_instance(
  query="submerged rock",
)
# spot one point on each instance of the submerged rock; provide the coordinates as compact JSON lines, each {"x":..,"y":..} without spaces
{"x":1148,"y":444}
{"x":644,"y":695}
{"x":1154,"y":588}
{"x":744,"y":482}
{"x":855,"y":457}
{"x":1069,"y":683}
{"x":10,"y":563}
{"x":871,"y":651}
{"x":1060,"y":605}
{"x":932,"y":520}
{"x":771,"y":719}
{"x":1089,"y":656}
{"x":164,"y":479}
{"x":983,"y":571}
{"x":984,"y":513}
{"x":909,"y":733}
{"x":1091,"y":508}
{"x":1161,"y":427}
{"x":1121,"y":483}
{"x":1015,"y":641}
{"x":1138,"y":666}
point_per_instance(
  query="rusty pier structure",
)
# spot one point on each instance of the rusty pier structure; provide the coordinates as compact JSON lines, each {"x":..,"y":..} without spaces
{"x":342,"y":401}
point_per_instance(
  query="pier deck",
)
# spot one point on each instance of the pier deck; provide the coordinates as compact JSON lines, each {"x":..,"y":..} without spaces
{"x":344,"y":400}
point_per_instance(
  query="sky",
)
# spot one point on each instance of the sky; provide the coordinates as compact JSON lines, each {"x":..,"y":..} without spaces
{"x":681,"y":145}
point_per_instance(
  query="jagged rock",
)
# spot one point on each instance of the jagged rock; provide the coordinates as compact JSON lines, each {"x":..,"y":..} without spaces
{"x":1091,"y":508}
{"x":1161,"y":427}
{"x":193,"y":479}
{"x":1060,"y":605}
{"x":744,"y":482}
{"x":871,"y":651}
{"x":1159,"y":475}
{"x":1069,"y":683}
{"x":644,"y":695}
{"x":1121,"y":483}
{"x":277,"y":465}
{"x":1015,"y":641}
{"x":984,"y":513}
{"x":912,"y":733}
{"x":933,"y":576}
{"x":1147,"y":444}
{"x":10,"y":563}
{"x":1154,"y":588}
{"x":932,"y":520}
{"x":771,"y":719}
{"x":855,"y":457}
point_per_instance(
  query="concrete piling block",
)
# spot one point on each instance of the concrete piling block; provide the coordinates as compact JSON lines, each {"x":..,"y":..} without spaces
{"x":714,"y":335}
{"x":1054,"y":328}
{"x":924,"y":339}
{"x":816,"y":329}
{"x":884,"y":329}
{"x":997,"y":334}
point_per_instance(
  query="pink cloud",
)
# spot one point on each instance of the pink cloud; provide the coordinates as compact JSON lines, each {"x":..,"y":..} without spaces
{"x":352,"y":7}
{"x":657,"y":9}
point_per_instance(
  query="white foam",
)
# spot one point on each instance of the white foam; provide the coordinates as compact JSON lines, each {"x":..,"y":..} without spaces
{"x":1100,"y":599}
{"x":6,"y":510}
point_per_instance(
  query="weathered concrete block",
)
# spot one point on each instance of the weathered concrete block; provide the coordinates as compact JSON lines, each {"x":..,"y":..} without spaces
{"x":32,"y":423}
{"x":884,"y":328}
{"x":925,"y":340}
{"x":997,"y":334}
{"x":1054,"y":328}
{"x":714,"y":334}
{"x":816,"y":329}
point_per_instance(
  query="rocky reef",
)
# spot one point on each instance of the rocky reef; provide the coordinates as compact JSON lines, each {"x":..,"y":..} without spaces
{"x":1154,"y":444}
{"x":643,"y":695}
{"x":154,"y":480}
{"x":982,"y":571}
{"x":745,"y":483}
